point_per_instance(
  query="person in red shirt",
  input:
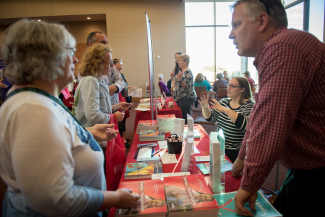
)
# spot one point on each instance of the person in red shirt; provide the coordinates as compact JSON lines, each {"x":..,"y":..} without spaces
{"x":288,"y":119}
{"x":247,"y":75}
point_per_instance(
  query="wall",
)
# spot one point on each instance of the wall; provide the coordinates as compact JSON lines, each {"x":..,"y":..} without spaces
{"x":126,"y":29}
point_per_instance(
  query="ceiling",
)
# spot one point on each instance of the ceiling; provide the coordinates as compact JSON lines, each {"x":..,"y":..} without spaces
{"x":59,"y":19}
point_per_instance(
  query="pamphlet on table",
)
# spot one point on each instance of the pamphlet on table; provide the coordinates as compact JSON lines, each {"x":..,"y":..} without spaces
{"x":227,"y":206}
{"x":151,"y":135}
{"x":142,"y":170}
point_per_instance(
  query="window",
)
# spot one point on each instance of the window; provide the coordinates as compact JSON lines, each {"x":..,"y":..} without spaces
{"x":295,"y":15}
{"x":208,"y":25}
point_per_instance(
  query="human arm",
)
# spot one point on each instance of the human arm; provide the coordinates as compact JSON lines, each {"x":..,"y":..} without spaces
{"x":185,"y":79}
{"x":204,"y":102}
{"x":92,"y":97}
{"x":2,"y":85}
{"x":103,"y":132}
{"x":180,"y":80}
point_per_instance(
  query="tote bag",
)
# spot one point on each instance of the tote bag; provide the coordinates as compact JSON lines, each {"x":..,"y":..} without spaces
{"x":115,"y":158}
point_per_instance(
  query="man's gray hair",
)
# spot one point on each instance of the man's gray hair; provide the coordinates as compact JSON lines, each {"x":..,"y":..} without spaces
{"x":35,"y":50}
{"x":254,"y":8}
{"x":92,"y":37}
{"x":220,"y":75}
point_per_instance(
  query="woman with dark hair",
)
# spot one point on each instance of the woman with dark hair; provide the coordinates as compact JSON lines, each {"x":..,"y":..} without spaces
{"x":232,"y":114}
{"x":171,"y":82}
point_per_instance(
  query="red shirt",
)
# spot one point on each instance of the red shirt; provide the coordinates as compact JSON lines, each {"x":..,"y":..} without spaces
{"x":288,"y":119}
{"x":251,"y":81}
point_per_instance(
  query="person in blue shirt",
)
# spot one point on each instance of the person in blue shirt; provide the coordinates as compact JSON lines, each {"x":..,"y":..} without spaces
{"x":201,"y":82}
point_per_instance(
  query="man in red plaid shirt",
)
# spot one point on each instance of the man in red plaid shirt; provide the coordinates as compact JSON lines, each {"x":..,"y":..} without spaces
{"x":287,"y":123}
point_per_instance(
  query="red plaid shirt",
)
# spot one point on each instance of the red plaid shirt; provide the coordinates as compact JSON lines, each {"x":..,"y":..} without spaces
{"x":288,"y":119}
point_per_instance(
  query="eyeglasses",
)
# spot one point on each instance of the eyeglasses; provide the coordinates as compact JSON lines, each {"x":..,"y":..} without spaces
{"x":71,"y":51}
{"x":233,"y":86}
{"x":267,"y":7}
{"x":108,"y":63}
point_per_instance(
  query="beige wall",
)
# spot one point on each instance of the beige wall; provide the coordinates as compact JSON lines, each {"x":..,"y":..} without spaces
{"x":80,"y":30}
{"x":125,"y":27}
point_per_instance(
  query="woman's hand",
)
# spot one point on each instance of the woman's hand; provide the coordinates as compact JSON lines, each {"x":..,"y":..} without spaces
{"x":216,"y":105}
{"x":172,"y":75}
{"x":119,"y":116}
{"x":126,"y":199}
{"x":179,"y":76}
{"x":204,"y":101}
{"x":123,"y":105}
{"x":237,"y":168}
{"x":103,"y":132}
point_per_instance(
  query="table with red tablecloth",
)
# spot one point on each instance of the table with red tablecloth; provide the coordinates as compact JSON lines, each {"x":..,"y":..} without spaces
{"x":146,"y":115}
{"x":202,"y":144}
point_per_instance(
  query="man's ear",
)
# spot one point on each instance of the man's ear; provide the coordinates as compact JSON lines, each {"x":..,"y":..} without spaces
{"x":263,"y":21}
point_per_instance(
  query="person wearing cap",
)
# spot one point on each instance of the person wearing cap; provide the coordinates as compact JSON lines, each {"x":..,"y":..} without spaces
{"x":247,"y":75}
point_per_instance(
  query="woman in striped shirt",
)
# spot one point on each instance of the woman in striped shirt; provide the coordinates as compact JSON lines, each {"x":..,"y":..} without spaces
{"x":232,"y":114}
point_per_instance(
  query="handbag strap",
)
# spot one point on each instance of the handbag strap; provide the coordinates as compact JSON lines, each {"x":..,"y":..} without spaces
{"x":44,"y":93}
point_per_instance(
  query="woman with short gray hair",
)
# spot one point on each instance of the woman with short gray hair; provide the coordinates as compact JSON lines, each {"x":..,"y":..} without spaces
{"x":184,"y":94}
{"x":219,"y":82}
{"x":50,"y":162}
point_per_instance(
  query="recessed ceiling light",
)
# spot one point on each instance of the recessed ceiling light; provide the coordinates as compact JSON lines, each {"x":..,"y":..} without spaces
{"x":88,"y":18}
{"x":39,"y":20}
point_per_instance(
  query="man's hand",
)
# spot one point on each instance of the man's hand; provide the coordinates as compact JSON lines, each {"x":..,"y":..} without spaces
{"x":237,"y":168}
{"x":241,"y":198}
{"x":126,"y":198}
{"x":103,"y":132}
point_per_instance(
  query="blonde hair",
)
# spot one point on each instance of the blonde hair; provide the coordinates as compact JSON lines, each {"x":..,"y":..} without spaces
{"x":92,"y":59}
{"x":184,"y":57}
{"x":199,"y":78}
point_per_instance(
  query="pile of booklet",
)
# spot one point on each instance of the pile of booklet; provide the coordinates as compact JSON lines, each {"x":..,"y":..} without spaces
{"x":166,"y":122}
{"x":151,"y":135}
{"x":152,"y":199}
{"x":142,"y":170}
{"x":147,"y":125}
{"x":189,"y":196}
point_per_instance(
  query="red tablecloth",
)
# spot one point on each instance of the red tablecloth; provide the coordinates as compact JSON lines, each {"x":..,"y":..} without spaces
{"x":146,"y":115}
{"x":202,"y":144}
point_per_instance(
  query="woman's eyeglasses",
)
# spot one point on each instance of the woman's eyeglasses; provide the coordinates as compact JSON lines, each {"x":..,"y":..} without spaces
{"x":233,"y":86}
{"x":71,"y":51}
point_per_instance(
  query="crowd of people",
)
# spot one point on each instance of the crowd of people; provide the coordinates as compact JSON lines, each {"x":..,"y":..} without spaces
{"x":52,"y":161}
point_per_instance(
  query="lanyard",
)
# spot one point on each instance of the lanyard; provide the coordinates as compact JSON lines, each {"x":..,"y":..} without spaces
{"x":44,"y":93}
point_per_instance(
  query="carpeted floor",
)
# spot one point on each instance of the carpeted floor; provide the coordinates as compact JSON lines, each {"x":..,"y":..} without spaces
{"x":269,"y":182}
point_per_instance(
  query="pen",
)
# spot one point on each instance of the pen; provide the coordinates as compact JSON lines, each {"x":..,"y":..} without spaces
{"x":156,"y":152}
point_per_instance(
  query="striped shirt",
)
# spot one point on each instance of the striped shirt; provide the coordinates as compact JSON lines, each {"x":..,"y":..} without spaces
{"x":288,"y":119}
{"x":234,"y":132}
